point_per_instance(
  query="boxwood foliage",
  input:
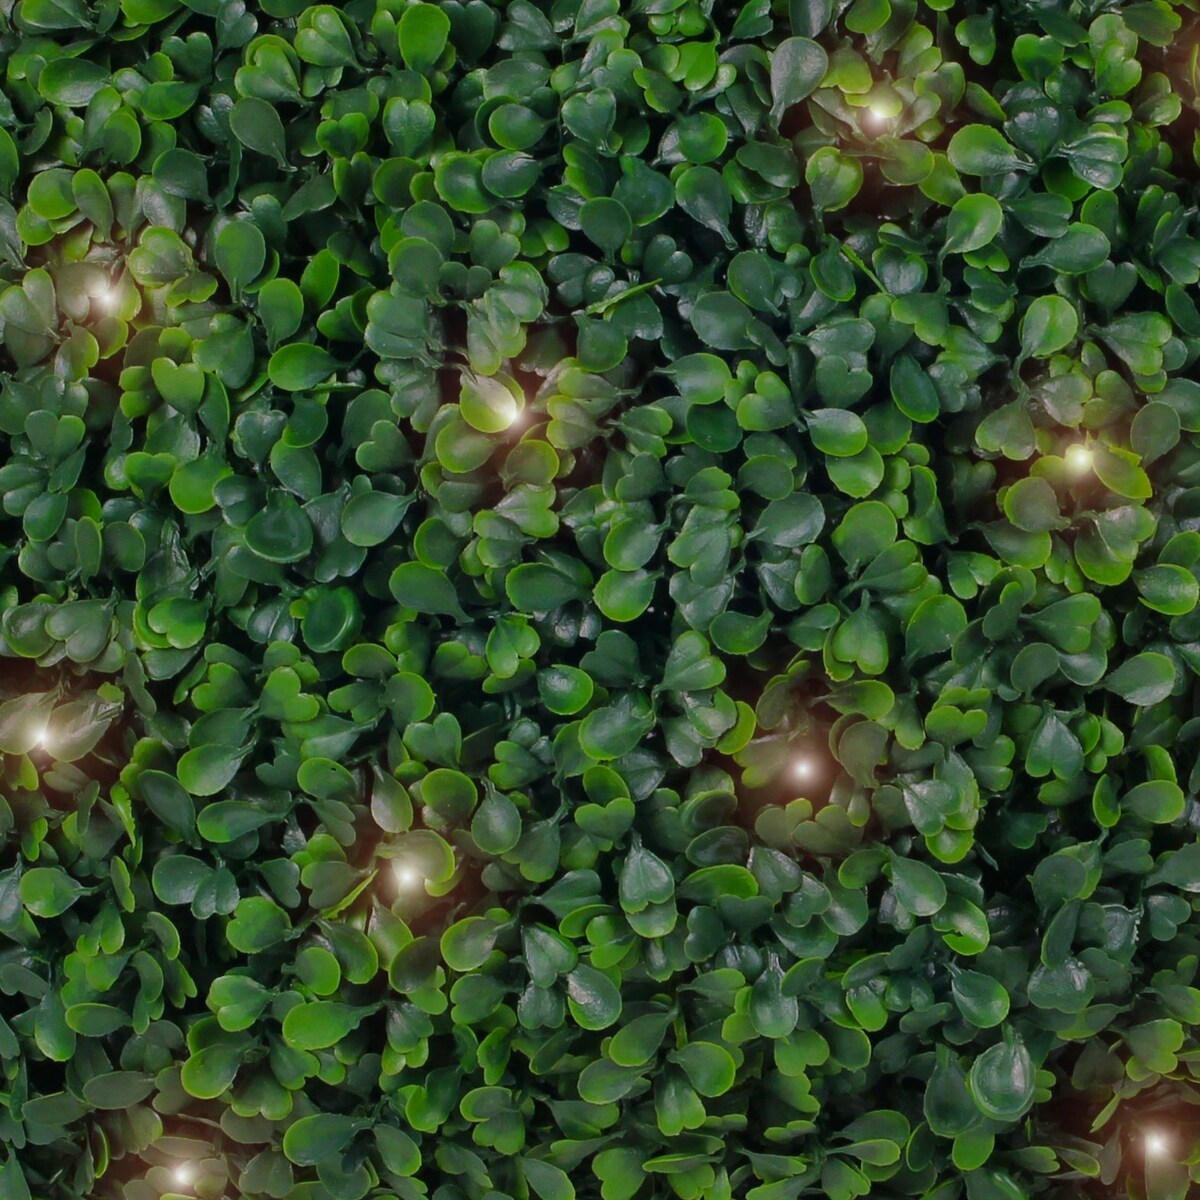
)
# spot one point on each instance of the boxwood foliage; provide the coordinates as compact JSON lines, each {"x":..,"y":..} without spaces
{"x":458,"y":459}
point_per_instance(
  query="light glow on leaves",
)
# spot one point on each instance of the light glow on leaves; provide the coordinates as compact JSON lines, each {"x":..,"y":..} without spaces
{"x":104,"y":296}
{"x":407,"y":877}
{"x":1079,"y":460}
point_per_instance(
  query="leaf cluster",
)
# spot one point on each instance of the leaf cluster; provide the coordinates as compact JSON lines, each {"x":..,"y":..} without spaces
{"x":458,"y":459}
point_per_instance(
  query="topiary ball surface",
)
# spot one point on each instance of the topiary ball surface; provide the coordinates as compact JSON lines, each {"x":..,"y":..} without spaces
{"x":599,"y":600}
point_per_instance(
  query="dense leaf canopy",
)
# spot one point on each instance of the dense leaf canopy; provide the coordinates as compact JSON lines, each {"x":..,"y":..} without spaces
{"x":599,"y":600}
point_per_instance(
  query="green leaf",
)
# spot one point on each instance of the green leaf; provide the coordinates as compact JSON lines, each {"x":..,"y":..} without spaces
{"x":948,"y":1105}
{"x":489,"y":404}
{"x":606,"y":222}
{"x":547,"y":1181}
{"x":1119,"y":470}
{"x":615,"y":729}
{"x":918,"y":887}
{"x":299,"y":367}
{"x":710,"y":1068}
{"x":702,"y":193}
{"x":1001,"y":1080}
{"x":1179,"y":868}
{"x":370,"y":518}
{"x":1031,"y":504}
{"x":95,"y":1020}
{"x":974,"y":222}
{"x":1079,"y":249}
{"x":798,"y":64}
{"x":934,"y":626}
{"x":241,"y":253}
{"x":467,"y":944}
{"x":118,"y":1089}
{"x":449,"y":793}
{"x":982,"y":1000}
{"x":281,"y":307}
{"x":1144,"y":679}
{"x":637,"y":1043}
{"x":834,"y":179}
{"x":865,"y":531}
{"x":426,"y":589}
{"x":168,"y":801}
{"x":161,"y":257}
{"x":690,"y":667}
{"x":1168,"y":588}
{"x":773,"y":1014}
{"x":1049,"y":325}
{"x":257,"y":125}
{"x":318,"y":1137}
{"x":423,"y":31}
{"x":644,"y":879}
{"x":320,"y":1024}
{"x":982,"y":150}
{"x":593,"y":999}
{"x":564,"y":690}
{"x":539,"y":587}
{"x":209,"y":1072}
{"x":700,"y":378}
{"x":1159,"y":801}
{"x":223,"y":820}
{"x":322,"y":39}
{"x":836,"y":431}
{"x":258,"y":924}
{"x":49,"y":891}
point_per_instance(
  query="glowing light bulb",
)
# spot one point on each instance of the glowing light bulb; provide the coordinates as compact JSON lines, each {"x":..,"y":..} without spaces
{"x":1079,"y":459}
{"x":803,"y":768}
{"x":43,"y":737}
{"x":184,"y":1174}
{"x":406,"y":876}
{"x":879,"y":117}
{"x":1156,"y":1143}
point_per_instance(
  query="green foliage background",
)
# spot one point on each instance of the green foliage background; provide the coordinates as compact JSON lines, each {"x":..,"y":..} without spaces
{"x":484,"y":445}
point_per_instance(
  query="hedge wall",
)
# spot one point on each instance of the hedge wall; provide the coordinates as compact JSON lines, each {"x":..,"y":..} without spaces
{"x":599,"y":600}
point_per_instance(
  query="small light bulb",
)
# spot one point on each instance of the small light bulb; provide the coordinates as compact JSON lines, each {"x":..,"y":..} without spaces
{"x":43,"y":737}
{"x":879,"y":117}
{"x":1156,"y":1143}
{"x":406,"y":876}
{"x":803,"y":767}
{"x":1079,"y":459}
{"x":183,"y":1174}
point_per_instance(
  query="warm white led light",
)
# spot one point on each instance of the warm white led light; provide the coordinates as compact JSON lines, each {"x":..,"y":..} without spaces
{"x":878,"y":116}
{"x":184,"y":1174}
{"x":1156,"y":1143}
{"x":1079,"y":459}
{"x":43,"y":737}
{"x":406,"y":876}
{"x":804,"y":768}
